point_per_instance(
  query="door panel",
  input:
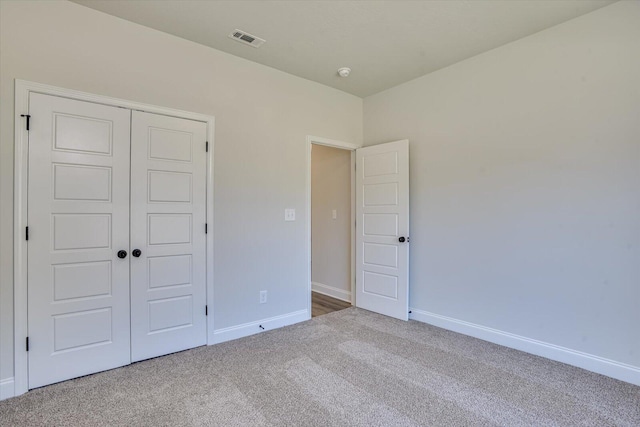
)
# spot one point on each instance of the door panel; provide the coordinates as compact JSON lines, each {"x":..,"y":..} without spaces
{"x":382,"y":217}
{"x":168,"y":225}
{"x":78,"y":217}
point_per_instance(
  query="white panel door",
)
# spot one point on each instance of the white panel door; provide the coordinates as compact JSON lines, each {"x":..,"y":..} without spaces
{"x":168,"y":199}
{"x":78,"y":218}
{"x":382,"y":229}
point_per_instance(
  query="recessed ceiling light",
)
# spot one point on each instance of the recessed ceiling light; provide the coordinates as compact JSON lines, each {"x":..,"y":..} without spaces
{"x":344,"y":71}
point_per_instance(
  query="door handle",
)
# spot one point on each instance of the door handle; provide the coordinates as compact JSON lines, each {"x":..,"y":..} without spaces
{"x":136,"y":253}
{"x":403,"y":239}
{"x":122,"y":254}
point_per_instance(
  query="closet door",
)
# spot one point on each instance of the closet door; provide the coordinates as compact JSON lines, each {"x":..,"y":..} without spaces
{"x":168,"y":199}
{"x":78,"y":218}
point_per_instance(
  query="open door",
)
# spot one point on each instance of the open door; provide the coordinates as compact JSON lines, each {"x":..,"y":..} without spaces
{"x":382,"y":229}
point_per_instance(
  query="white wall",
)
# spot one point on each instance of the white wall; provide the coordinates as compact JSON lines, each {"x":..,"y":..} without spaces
{"x":262,"y":119}
{"x":525,"y":186}
{"x":331,"y":238}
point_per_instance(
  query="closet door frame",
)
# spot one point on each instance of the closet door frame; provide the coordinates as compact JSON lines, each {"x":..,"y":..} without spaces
{"x":21,"y":162}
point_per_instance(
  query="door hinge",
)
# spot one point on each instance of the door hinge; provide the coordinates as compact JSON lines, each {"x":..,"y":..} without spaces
{"x":206,"y":228}
{"x":207,"y":148}
{"x":206,"y":310}
{"x":28,"y":119}
{"x":27,"y":343}
{"x":26,"y":233}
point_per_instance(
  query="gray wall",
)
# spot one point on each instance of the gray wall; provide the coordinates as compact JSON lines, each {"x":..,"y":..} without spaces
{"x":331,"y":238}
{"x":262,"y":119}
{"x":525,"y":184}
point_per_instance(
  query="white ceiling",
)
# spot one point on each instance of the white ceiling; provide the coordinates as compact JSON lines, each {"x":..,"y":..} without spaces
{"x":385,"y":43}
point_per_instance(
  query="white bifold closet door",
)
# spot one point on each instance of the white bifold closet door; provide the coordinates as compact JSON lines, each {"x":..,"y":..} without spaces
{"x":168,"y":178}
{"x":78,"y":217}
{"x":117,"y":245}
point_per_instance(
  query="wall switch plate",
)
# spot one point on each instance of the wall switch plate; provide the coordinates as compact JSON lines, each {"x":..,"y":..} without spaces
{"x":289,"y":214}
{"x":334,"y":214}
{"x":263,"y":297}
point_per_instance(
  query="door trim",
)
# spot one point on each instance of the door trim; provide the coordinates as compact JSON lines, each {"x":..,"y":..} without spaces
{"x":345,"y":146}
{"x":23,"y":89}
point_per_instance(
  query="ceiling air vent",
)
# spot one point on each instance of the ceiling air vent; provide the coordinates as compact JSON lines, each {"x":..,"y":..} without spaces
{"x":246,"y":38}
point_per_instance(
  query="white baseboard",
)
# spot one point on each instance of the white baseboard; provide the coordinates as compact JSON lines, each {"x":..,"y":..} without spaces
{"x":251,"y":328}
{"x":600,"y":365}
{"x":337,"y":293}
{"x":7,"y":388}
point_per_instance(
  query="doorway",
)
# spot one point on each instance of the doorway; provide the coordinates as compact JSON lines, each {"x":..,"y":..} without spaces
{"x":331,"y":231}
{"x":379,"y":240}
{"x":331,"y":170}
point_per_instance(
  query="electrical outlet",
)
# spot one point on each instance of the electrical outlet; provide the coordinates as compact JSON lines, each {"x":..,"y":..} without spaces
{"x":263,"y":297}
{"x":289,"y":214}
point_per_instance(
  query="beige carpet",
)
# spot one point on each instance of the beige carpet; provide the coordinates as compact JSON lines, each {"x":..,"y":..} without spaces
{"x":348,"y":368}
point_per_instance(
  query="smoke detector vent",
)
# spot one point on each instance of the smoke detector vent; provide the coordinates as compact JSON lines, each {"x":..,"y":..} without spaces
{"x":246,"y":38}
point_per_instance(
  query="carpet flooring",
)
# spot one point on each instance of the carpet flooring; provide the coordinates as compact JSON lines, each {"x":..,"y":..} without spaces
{"x":347,"y":368}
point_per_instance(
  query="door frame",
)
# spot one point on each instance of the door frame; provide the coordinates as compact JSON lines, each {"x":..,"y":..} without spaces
{"x":23,"y":89}
{"x":344,"y":146}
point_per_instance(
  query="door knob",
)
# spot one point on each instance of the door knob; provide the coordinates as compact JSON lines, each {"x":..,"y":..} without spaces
{"x":122,"y":254}
{"x":402,"y":239}
{"x":136,"y":253}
